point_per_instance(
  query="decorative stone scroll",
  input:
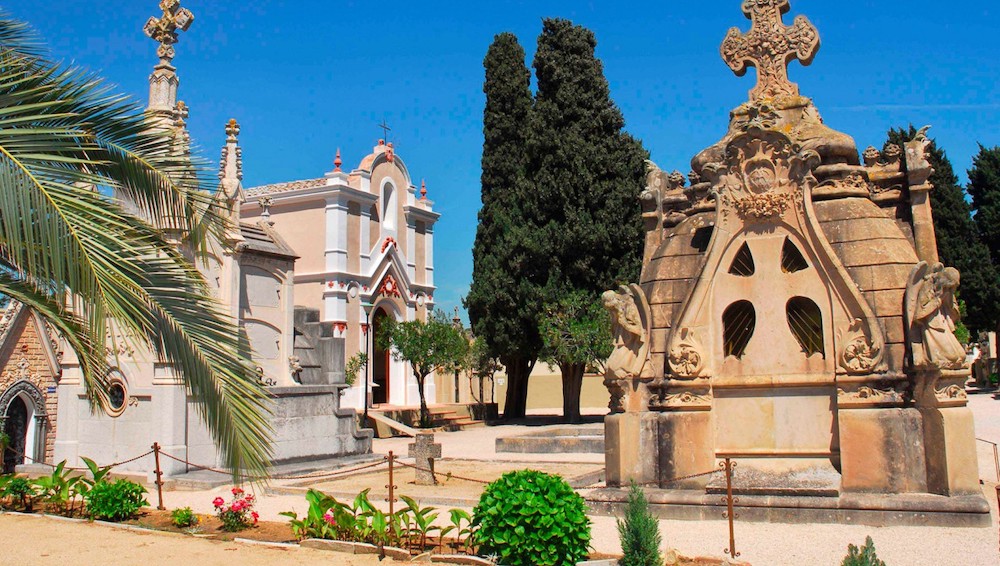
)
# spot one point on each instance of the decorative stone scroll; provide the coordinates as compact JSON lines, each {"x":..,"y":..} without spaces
{"x":770,"y":46}
{"x":860,"y":354}
{"x":687,"y":357}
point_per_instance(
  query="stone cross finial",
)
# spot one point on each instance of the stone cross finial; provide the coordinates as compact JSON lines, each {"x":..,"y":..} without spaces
{"x":232,"y":130}
{"x":164,"y":29}
{"x":423,"y":451}
{"x":770,"y":46}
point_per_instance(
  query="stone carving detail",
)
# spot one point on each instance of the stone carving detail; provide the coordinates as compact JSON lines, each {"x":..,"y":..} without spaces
{"x":918,"y":166}
{"x":762,"y":175}
{"x":761,"y":116}
{"x":769,"y":46}
{"x":630,"y":327}
{"x":869,"y":395}
{"x":951,"y":393}
{"x":860,"y":354}
{"x":684,"y":399}
{"x":686,"y":357}
{"x":931,"y":316}
{"x":164,"y":29}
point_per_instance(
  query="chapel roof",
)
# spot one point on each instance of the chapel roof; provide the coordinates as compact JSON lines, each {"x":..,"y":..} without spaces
{"x":285,"y":187}
{"x":260,"y":238}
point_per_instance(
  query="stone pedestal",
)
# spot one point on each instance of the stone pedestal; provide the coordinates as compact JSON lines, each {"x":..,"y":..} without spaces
{"x":686,"y":442}
{"x":950,"y":445}
{"x":882,"y":450}
{"x":631,"y":447}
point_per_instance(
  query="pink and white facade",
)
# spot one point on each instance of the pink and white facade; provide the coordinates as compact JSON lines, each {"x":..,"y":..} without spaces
{"x":363,"y":238}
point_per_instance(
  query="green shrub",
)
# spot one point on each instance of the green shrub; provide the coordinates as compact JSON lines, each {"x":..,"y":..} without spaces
{"x":639,"y":532}
{"x":530,"y":518}
{"x":117,"y":501}
{"x":864,"y":557}
{"x":184,"y":518}
{"x":19,"y":491}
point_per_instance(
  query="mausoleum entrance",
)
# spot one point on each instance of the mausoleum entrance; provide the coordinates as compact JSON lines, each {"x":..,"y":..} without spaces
{"x":380,"y":362}
{"x":16,"y":428}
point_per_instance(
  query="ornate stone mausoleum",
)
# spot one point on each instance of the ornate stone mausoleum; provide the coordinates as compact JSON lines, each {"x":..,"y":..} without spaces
{"x":792,"y":315}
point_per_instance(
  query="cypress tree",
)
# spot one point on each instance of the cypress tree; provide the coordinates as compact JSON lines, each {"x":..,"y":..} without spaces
{"x":958,"y":240}
{"x":502,"y":302}
{"x":639,"y":533}
{"x":984,"y":188}
{"x":583,"y":179}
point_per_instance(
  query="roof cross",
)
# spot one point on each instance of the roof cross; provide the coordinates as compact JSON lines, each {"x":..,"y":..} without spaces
{"x":164,"y":29}
{"x":770,"y":46}
{"x":385,"y":129}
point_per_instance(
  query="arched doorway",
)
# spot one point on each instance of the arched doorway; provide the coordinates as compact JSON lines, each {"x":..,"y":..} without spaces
{"x":380,"y":362}
{"x":15,"y":426}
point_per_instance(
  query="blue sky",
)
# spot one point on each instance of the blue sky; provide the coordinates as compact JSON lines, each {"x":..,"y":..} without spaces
{"x":306,"y":77}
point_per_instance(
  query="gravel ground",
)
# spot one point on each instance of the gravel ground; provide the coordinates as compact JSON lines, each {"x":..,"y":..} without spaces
{"x":761,"y":544}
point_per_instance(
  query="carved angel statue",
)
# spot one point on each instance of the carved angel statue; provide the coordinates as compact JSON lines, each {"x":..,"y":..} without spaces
{"x":630,"y":318}
{"x":932,"y":315}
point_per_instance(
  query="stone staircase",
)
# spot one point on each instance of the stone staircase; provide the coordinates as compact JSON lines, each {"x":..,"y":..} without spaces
{"x":444,"y":418}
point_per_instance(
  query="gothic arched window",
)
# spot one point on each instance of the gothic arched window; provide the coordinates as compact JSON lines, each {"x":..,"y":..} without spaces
{"x":738,"y":323}
{"x":806,"y":323}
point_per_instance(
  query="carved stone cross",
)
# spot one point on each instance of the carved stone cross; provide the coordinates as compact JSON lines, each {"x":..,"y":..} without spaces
{"x":770,"y":46}
{"x":423,"y":451}
{"x":164,"y":29}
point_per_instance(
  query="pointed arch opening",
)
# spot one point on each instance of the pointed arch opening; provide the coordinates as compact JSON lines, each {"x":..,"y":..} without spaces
{"x":792,"y":259}
{"x":743,"y":265}
{"x":738,"y":324}
{"x":805,"y":320}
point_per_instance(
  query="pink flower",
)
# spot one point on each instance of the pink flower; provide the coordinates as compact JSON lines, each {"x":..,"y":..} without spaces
{"x":255,"y":516}
{"x":218,"y":502}
{"x":237,"y":491}
{"x":238,"y":506}
{"x":330,"y":519}
{"x":249,"y":498}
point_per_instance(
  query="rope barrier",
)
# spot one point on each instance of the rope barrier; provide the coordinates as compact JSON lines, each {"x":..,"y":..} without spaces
{"x":448,"y":475}
{"x":313,"y":475}
{"x":73,"y":469}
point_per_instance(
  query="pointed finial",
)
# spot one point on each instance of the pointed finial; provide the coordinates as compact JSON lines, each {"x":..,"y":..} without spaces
{"x":423,"y":189}
{"x":164,"y":29}
{"x":265,"y":205}
{"x":337,"y":162}
{"x":232,"y":130}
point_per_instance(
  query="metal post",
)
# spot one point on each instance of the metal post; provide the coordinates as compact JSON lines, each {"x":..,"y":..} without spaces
{"x":159,"y":476}
{"x":391,"y":486}
{"x":368,"y":333}
{"x":996,"y":463}
{"x":729,"y":514}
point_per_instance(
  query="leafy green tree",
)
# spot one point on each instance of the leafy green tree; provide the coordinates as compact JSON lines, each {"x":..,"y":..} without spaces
{"x":434,"y":345}
{"x":958,"y":240}
{"x":585,"y":175}
{"x":503,"y":300}
{"x":639,"y":533}
{"x":89,"y":264}
{"x":576,"y":333}
{"x":984,"y":188}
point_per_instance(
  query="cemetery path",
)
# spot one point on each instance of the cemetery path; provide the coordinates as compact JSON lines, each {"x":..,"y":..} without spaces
{"x":84,"y":544}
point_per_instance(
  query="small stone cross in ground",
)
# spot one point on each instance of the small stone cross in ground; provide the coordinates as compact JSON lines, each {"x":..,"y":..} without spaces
{"x":770,"y":46}
{"x":423,"y":451}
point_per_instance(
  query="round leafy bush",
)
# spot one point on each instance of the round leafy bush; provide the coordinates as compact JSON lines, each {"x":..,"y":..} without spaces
{"x":116,"y":501}
{"x":530,"y":518}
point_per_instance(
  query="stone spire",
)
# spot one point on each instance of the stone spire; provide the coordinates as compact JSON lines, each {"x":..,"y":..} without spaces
{"x":231,"y":176}
{"x":770,"y":46}
{"x":163,"y":82}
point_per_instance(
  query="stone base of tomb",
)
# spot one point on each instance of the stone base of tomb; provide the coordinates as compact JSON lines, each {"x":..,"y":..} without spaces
{"x":859,"y":509}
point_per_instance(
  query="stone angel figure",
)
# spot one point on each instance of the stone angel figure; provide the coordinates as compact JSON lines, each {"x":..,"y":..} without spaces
{"x":630,"y":328}
{"x":932,"y":314}
{"x":630,"y":320}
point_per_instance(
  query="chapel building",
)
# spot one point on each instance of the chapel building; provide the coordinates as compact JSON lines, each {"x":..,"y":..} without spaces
{"x":365,"y":241}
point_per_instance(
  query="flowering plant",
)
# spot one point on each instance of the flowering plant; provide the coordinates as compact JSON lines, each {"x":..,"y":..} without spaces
{"x":238,"y":514}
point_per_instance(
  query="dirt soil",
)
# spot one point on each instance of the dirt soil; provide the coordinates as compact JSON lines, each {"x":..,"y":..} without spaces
{"x":449,"y":487}
{"x":84,"y":544}
{"x":209,"y":526}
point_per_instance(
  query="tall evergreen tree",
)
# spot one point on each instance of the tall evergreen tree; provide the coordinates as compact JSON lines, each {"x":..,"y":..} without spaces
{"x":984,"y":188}
{"x":503,"y":299}
{"x":958,"y":240}
{"x":585,"y":175}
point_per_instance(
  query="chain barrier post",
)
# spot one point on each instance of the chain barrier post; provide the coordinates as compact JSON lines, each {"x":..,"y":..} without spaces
{"x":729,"y":500}
{"x":159,"y":476}
{"x":391,"y":486}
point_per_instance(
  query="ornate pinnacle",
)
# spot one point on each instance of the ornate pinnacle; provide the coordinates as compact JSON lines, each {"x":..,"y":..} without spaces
{"x":423,"y":190}
{"x":337,"y":162}
{"x":232,"y":130}
{"x":770,"y":46}
{"x":164,"y":29}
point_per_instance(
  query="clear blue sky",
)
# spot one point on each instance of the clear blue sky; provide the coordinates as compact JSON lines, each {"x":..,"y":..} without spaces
{"x":306,"y":77}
